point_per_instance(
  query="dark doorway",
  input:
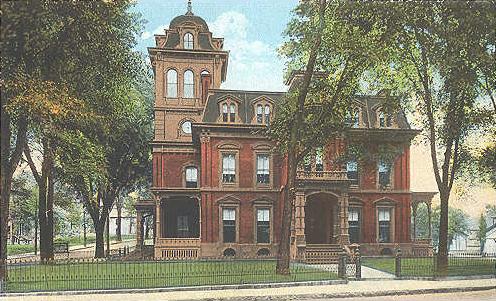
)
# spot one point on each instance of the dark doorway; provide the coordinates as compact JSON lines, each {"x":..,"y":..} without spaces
{"x":319,"y":219}
{"x":181,"y":218}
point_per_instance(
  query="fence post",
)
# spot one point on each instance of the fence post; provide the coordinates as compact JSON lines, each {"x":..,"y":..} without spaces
{"x":358,"y":264}
{"x":397,"y":270}
{"x":342,"y":266}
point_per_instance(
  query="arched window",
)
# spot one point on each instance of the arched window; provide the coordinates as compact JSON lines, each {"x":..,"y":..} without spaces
{"x":191,"y":177}
{"x":353,"y":118}
{"x":259,"y":113}
{"x":262,"y":109}
{"x":224,"y":112}
{"x":188,"y":41}
{"x":267,"y":114}
{"x":232,"y":112}
{"x":189,"y":84}
{"x":171,"y":83}
{"x":384,"y":120}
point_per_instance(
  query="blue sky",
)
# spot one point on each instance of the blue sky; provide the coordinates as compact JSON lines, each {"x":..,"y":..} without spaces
{"x":252,"y":31}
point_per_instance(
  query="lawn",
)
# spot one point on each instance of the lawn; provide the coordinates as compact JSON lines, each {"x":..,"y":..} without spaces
{"x":73,"y":241}
{"x":114,"y":275}
{"x":424,"y":266}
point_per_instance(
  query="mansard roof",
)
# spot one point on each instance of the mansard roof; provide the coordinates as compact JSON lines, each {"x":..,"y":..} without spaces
{"x":245,"y":100}
{"x":184,"y":19}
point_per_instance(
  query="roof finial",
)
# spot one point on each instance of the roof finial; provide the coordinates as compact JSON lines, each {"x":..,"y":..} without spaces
{"x":190,"y":11}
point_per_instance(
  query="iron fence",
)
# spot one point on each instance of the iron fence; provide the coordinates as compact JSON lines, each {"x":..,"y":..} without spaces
{"x":409,"y":266}
{"x":94,"y":274}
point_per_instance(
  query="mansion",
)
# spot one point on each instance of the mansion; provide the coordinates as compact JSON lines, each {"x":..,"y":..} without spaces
{"x":218,"y":184}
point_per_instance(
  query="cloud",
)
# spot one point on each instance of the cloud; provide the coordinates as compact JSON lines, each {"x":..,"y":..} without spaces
{"x":149,"y":34}
{"x":253,"y":64}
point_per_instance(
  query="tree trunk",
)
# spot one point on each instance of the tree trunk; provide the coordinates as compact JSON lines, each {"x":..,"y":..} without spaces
{"x":442,"y":255}
{"x":99,"y":242}
{"x":118,"y":221}
{"x":283,"y":255}
{"x":107,"y":234}
{"x":8,"y":164}
{"x":36,"y":234}
{"x":45,"y":202}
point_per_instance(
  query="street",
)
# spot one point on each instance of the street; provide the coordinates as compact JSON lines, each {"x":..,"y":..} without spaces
{"x":465,"y":296}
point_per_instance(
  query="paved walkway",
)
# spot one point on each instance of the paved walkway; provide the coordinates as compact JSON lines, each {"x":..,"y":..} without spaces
{"x":366,"y":271}
{"x":352,"y":289}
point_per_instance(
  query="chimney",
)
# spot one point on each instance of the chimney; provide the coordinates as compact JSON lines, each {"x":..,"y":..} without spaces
{"x":206,"y":80}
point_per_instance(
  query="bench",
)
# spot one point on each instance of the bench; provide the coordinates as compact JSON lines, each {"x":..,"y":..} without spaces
{"x":61,"y":247}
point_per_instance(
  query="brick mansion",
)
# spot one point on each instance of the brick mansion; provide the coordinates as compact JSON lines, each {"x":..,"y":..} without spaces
{"x":218,"y":184}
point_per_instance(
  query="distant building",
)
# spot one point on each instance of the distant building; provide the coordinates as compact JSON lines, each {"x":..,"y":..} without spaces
{"x":490,"y":244}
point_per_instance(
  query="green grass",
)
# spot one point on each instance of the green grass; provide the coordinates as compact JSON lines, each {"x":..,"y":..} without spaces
{"x":113,"y":275}
{"x":73,"y":241}
{"x":425,"y":266}
{"x":19,"y":249}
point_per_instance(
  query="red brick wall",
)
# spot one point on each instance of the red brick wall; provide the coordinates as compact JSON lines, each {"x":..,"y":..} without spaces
{"x":168,"y":168}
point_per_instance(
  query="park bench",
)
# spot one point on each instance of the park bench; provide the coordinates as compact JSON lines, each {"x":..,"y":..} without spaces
{"x":61,"y":247}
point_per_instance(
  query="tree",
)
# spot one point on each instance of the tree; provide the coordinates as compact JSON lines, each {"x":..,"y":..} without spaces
{"x":435,"y":61}
{"x":458,"y":225}
{"x":81,"y":55}
{"x":482,"y":232}
{"x":314,"y":111}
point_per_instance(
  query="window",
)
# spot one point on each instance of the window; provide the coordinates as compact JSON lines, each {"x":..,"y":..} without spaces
{"x":263,"y":169}
{"x":353,"y":118}
{"x":171,"y":83}
{"x":191,"y":177}
{"x":307,"y":163}
{"x":188,"y":41}
{"x":384,"y":174}
{"x":263,"y":226}
{"x":229,"y":224}
{"x":263,"y":110}
{"x":384,"y":120}
{"x":228,"y":168}
{"x":228,"y":108}
{"x":189,"y":84}
{"x":354,"y":224}
{"x":182,"y":226}
{"x":224,"y":112}
{"x":319,"y":159}
{"x":384,"y":218}
{"x":352,"y":171}
{"x":267,"y":114}
{"x":259,"y":113}
{"x":186,"y":127}
{"x":232,"y":112}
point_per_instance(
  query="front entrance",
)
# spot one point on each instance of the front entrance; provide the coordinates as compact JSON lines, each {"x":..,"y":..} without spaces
{"x":320,"y":219}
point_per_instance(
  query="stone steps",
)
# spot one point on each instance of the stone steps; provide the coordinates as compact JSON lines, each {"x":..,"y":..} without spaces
{"x":323,"y":253}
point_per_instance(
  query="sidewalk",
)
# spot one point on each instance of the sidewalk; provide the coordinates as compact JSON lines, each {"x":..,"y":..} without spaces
{"x":351,"y":289}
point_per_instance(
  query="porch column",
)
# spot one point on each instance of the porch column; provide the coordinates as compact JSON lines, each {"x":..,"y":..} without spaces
{"x":429,"y":212}
{"x":344,"y":238}
{"x":414,"y":213}
{"x":158,"y":233}
{"x":139,"y":229}
{"x":300,"y":218}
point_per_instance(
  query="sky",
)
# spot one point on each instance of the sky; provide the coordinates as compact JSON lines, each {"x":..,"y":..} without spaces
{"x":252,"y":31}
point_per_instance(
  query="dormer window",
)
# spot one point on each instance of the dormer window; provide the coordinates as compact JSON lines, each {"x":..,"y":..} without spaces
{"x":228,"y":111}
{"x":188,"y":41}
{"x":353,"y":118}
{"x":189,"y":84}
{"x":171,"y":81}
{"x":385,"y":120}
{"x":262,"y":110}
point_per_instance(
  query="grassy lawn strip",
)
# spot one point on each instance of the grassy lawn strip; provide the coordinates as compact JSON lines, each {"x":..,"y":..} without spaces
{"x":114,"y":275}
{"x":73,"y":241}
{"x":425,"y":266}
